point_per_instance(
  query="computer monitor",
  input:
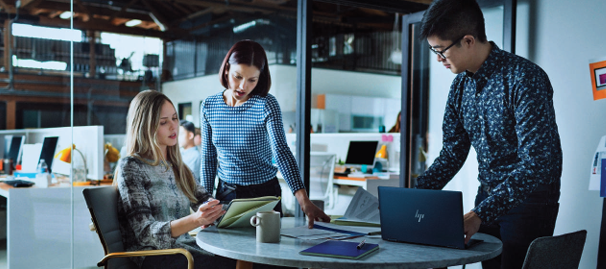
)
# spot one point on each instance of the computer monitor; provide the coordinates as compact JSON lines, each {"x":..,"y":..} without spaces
{"x":14,"y":147}
{"x":48,"y":151}
{"x":361,"y":153}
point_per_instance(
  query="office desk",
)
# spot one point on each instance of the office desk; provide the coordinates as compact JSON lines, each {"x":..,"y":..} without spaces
{"x":240,"y":244}
{"x":369,"y":184}
{"x":43,"y":224}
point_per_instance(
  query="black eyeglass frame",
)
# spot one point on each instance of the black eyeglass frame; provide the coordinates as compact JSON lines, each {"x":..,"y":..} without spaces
{"x":441,"y":53}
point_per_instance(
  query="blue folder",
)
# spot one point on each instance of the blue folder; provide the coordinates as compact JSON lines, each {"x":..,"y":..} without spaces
{"x":340,"y":249}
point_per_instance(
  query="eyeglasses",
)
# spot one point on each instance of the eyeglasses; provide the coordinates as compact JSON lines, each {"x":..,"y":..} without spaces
{"x":441,"y":53}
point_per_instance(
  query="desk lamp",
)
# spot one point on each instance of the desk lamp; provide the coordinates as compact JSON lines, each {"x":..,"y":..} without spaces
{"x":112,"y":154}
{"x":65,"y":156}
{"x":382,"y":153}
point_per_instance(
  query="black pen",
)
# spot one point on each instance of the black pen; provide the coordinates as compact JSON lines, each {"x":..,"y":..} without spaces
{"x":361,"y":244}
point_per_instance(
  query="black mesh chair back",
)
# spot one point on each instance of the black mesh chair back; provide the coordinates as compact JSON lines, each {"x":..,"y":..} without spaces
{"x":555,"y":252}
{"x":102,"y":203}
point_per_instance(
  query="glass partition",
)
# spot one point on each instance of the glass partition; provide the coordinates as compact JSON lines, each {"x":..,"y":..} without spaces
{"x":70,"y":71}
{"x":356,"y":88}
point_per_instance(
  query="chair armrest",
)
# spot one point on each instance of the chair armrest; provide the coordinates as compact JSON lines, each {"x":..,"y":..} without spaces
{"x":157,"y":252}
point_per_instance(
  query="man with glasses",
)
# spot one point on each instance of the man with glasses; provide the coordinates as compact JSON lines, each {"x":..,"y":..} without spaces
{"x":502,"y":105}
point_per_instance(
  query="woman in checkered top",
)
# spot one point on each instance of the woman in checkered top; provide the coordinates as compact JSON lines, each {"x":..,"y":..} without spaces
{"x":242,"y":131}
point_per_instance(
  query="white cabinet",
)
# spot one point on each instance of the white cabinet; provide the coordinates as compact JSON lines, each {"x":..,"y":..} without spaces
{"x":341,"y":104}
{"x":324,"y":120}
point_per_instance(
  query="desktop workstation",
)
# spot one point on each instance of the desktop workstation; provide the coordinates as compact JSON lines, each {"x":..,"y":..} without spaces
{"x":356,"y":150}
{"x":51,"y":224}
{"x":364,"y":169}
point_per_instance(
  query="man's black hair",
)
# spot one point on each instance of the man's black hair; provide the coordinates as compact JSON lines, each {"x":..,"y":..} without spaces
{"x":188,"y":125}
{"x":452,"y":19}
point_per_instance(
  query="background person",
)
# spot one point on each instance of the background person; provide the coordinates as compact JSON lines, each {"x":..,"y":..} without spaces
{"x":396,"y":126}
{"x":242,"y":129}
{"x":502,"y":105}
{"x":198,"y":138}
{"x":156,"y":189}
{"x":190,"y":152}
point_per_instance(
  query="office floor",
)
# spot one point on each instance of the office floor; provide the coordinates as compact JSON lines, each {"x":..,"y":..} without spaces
{"x":3,"y":254}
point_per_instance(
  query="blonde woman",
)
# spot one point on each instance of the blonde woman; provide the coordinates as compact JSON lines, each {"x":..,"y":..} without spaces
{"x":157,"y":189}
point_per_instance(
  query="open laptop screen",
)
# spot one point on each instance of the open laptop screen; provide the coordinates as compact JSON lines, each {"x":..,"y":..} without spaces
{"x":48,"y":151}
{"x":14,"y":148}
{"x":430,"y":217}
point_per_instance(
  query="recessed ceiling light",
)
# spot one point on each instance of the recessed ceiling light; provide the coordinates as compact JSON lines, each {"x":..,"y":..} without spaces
{"x":132,"y":23}
{"x":65,"y":15}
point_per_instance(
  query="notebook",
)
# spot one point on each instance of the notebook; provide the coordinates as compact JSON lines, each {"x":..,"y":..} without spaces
{"x":341,"y":249}
{"x":430,"y":217}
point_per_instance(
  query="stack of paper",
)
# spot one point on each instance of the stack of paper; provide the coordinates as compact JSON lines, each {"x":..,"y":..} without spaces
{"x":363,"y":210}
{"x":328,"y":231}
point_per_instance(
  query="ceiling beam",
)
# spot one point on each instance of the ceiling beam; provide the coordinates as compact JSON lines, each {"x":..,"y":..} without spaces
{"x":156,"y":16}
{"x":103,"y":26}
{"x":169,"y":7}
{"x":27,"y":4}
{"x":399,"y":6}
{"x":98,"y":10}
{"x":54,"y":14}
{"x":233,"y":6}
{"x":86,"y":14}
{"x":198,"y":14}
{"x":123,"y":10}
{"x":118,"y":21}
{"x":7,"y":8}
{"x":182,"y":8}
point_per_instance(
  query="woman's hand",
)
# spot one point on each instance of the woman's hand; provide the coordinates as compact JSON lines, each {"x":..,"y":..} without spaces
{"x":205,"y":216}
{"x":310,"y":209}
{"x":208,"y":212}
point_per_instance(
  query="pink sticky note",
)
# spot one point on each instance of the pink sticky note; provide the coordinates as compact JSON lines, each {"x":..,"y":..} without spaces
{"x":387,"y":138}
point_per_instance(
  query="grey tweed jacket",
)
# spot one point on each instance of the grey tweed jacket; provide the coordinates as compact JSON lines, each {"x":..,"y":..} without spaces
{"x":149,"y":201}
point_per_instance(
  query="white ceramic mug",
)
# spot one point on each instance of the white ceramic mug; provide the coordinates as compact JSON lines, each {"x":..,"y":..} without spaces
{"x":268,"y":226}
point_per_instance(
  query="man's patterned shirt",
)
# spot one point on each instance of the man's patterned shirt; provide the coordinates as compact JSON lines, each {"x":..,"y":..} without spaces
{"x":505,"y":111}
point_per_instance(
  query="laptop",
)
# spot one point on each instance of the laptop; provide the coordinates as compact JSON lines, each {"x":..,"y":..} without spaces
{"x":429,"y":217}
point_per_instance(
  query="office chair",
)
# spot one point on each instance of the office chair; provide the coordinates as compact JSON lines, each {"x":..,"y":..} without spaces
{"x":102,"y":203}
{"x":321,"y":174}
{"x":554,"y":252}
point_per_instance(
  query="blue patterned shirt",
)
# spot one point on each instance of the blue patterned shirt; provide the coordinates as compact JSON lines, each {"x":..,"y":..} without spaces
{"x":243,"y":140}
{"x":505,"y":111}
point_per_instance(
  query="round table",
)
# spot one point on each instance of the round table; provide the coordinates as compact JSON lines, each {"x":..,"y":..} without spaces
{"x":241,"y":244}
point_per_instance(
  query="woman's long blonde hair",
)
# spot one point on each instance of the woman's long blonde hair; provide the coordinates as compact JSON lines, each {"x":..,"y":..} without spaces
{"x":141,"y":126}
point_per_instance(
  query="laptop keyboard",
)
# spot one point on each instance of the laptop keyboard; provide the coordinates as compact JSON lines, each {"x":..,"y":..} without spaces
{"x":19,"y":183}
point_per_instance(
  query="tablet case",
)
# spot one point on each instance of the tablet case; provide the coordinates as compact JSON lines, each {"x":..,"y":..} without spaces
{"x":340,"y":249}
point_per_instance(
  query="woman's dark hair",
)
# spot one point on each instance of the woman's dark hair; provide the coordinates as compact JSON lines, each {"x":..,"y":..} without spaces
{"x":452,"y":19}
{"x":188,"y":125}
{"x":250,"y":53}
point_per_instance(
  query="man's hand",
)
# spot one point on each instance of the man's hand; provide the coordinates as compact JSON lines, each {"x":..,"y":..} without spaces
{"x":471,"y":225}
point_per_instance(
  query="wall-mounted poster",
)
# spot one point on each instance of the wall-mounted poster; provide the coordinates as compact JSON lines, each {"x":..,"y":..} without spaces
{"x":598,"y":79}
